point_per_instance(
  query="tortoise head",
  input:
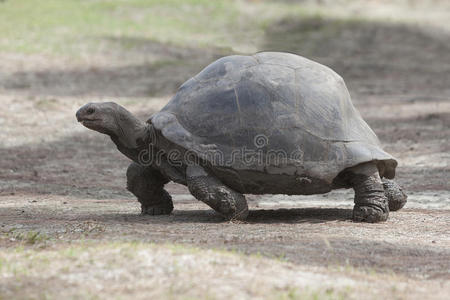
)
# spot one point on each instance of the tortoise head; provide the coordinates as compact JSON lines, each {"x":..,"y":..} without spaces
{"x":114,"y":120}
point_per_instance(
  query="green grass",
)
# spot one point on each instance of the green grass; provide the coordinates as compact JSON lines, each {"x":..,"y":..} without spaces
{"x":292,"y":293}
{"x":86,"y":27}
{"x":71,"y":26}
{"x":28,"y":237}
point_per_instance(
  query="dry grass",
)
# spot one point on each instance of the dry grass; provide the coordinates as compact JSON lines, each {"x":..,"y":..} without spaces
{"x":141,"y":271}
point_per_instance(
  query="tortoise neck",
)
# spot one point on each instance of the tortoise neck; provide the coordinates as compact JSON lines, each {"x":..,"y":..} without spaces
{"x":133,"y":139}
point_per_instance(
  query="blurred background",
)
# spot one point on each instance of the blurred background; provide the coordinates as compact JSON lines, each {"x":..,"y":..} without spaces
{"x":58,"y":55}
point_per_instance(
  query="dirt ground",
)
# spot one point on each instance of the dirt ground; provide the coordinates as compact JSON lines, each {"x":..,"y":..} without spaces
{"x":68,"y":227}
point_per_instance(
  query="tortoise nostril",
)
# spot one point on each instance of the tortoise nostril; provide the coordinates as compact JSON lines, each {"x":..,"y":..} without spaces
{"x":90,"y":111}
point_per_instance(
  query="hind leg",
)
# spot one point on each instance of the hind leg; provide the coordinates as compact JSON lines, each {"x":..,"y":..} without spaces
{"x":395,"y":195}
{"x":147,"y":184}
{"x":208,"y":189}
{"x":371,"y":204}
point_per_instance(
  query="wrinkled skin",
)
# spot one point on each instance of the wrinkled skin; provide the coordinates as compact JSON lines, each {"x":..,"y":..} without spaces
{"x":371,"y":204}
{"x":147,"y":185}
{"x":395,"y":195}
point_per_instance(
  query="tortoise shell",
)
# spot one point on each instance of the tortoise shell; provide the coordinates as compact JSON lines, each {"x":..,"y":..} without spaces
{"x":271,"y":114}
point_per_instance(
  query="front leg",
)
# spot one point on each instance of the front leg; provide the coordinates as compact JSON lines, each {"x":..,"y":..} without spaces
{"x":208,"y":189}
{"x":147,"y":184}
{"x":371,"y":204}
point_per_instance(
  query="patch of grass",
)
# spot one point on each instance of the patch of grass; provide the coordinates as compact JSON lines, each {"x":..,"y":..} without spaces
{"x":73,"y":26}
{"x":79,"y":28}
{"x":292,"y":293}
{"x":348,"y":269}
{"x":29,"y":237}
{"x":181,"y":248}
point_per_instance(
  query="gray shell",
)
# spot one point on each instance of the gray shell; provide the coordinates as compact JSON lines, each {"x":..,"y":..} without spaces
{"x":266,"y":104}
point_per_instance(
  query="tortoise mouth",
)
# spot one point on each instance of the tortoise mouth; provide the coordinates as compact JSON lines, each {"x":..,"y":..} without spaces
{"x":82,"y":120}
{"x":89,"y":123}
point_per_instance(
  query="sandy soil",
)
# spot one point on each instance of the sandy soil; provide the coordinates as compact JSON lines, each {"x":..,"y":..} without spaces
{"x":62,"y":186}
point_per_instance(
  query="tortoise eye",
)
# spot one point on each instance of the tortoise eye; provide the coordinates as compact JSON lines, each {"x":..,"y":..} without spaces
{"x":90,"y":111}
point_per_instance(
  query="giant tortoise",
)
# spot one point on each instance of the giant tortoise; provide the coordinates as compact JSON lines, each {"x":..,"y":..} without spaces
{"x":269,"y":123}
